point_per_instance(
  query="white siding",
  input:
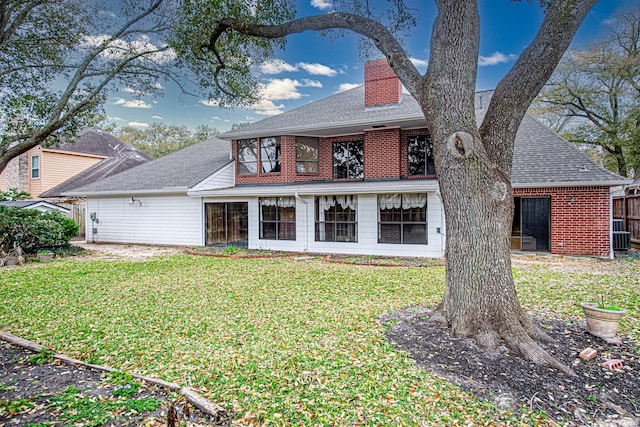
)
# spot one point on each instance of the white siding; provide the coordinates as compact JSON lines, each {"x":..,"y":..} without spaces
{"x":165,"y":220}
{"x":367,"y":231}
{"x":224,"y":178}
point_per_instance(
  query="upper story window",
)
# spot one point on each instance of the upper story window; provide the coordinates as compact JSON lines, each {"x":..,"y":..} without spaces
{"x":420,"y":156}
{"x":35,"y":167}
{"x":270,"y":154}
{"x":247,"y":156}
{"x":306,"y":154}
{"x":348,"y":160}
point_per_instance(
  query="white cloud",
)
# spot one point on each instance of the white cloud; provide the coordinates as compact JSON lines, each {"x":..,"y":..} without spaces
{"x":210,"y":102}
{"x":157,"y":117}
{"x":115,"y":119}
{"x":134,"y":103}
{"x":318,"y":69}
{"x":419,"y":62}
{"x":267,"y":108}
{"x":119,"y":49}
{"x":216,"y":118}
{"x":276,"y":66}
{"x":321,"y":4}
{"x":495,"y":58}
{"x":139,"y":124}
{"x":311,"y":83}
{"x":347,"y":86}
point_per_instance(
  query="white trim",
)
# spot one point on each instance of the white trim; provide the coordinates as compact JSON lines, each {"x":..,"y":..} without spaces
{"x":571,"y":184}
{"x":202,"y":185}
{"x":116,"y":193}
{"x":333,"y":188}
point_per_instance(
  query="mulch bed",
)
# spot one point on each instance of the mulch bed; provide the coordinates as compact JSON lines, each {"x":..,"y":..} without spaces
{"x":595,"y":395}
{"x":28,"y":391}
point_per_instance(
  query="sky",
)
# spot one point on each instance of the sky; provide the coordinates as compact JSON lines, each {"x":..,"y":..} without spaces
{"x":312,"y":67}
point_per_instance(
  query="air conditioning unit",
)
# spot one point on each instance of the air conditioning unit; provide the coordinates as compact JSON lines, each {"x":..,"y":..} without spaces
{"x":621,"y":240}
{"x":618,"y":225}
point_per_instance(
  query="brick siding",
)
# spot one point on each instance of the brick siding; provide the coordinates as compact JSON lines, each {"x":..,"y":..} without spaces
{"x":580,"y":219}
{"x":381,"y":85}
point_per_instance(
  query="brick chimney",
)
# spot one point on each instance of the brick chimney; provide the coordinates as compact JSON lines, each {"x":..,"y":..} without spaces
{"x":381,"y":85}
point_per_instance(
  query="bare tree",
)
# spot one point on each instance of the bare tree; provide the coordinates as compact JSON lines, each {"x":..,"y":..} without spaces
{"x":596,"y":91}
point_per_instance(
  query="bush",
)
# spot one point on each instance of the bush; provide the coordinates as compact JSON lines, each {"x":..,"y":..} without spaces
{"x":32,"y":229}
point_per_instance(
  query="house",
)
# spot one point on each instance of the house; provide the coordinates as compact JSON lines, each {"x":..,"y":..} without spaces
{"x":351,"y":173}
{"x":40,"y":205}
{"x":40,"y":170}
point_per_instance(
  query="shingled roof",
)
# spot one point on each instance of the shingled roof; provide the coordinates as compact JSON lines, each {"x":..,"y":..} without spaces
{"x":92,"y":140}
{"x":177,"y":171}
{"x":541,"y":158}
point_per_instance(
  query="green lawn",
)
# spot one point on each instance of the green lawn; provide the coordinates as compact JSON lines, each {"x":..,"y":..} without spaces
{"x":281,"y":342}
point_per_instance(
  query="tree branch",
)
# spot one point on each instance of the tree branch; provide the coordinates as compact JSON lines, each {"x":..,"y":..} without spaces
{"x":383,"y":39}
{"x":519,"y":87}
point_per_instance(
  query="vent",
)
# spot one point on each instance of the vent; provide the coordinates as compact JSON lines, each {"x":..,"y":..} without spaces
{"x":621,"y":240}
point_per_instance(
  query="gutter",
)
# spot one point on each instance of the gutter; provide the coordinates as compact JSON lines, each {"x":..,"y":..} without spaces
{"x":163,"y":191}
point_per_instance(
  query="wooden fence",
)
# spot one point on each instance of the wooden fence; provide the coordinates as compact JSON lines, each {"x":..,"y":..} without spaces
{"x":627,"y":208}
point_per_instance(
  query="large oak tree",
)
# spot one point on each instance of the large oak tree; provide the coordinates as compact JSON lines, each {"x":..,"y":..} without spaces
{"x":222,"y":39}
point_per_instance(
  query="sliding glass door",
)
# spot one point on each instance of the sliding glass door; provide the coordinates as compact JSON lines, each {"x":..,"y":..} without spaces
{"x":227,"y":224}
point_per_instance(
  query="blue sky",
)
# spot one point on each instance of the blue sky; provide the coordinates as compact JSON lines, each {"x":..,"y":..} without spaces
{"x":312,"y":67}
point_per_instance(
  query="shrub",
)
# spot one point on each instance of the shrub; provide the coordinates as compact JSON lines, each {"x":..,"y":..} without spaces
{"x":32,"y":229}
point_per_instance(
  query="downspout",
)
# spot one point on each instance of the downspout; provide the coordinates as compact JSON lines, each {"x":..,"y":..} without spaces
{"x":611,"y":252}
{"x":306,"y":222}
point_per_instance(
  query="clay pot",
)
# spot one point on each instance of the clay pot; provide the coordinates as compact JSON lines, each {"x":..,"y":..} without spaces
{"x":600,"y":322}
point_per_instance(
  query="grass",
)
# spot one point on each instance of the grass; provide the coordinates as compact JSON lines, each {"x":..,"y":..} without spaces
{"x":277,"y":341}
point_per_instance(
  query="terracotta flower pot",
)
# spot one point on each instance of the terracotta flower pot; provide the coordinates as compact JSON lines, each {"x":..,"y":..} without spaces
{"x":45,"y":257}
{"x":600,"y":322}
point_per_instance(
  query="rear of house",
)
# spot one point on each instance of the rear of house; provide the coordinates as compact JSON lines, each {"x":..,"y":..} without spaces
{"x":351,"y":173}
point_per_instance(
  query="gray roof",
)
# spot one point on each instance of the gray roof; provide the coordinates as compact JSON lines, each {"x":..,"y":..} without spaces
{"x":176,"y":171}
{"x":127,"y":158}
{"x":541,"y":157}
{"x":94,"y":141}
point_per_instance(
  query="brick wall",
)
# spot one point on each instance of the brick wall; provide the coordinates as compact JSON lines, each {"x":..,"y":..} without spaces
{"x":382,"y":154}
{"x":381,"y":85}
{"x":580,"y":219}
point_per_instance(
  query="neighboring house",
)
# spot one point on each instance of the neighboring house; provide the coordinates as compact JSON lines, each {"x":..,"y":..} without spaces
{"x":41,"y":169}
{"x":36,"y":204}
{"x":351,"y":173}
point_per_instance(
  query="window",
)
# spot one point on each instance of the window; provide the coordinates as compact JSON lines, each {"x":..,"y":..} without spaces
{"x":306,"y":154}
{"x":402,"y":218}
{"x":270,"y":154}
{"x":35,"y":167}
{"x":278,"y":218}
{"x":336,"y":218}
{"x":348,"y":160}
{"x":247,"y":156}
{"x":420,"y":156}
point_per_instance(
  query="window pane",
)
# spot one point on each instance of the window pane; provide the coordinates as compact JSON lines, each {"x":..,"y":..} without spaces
{"x":420,"y":156}
{"x":306,"y":149}
{"x":325,"y":232}
{"x":340,"y":160}
{"x":267,"y":230}
{"x":346,"y":232}
{"x":35,"y":167}
{"x":307,"y":167}
{"x":356,"y":160}
{"x":414,"y":234}
{"x":247,"y":156}
{"x":268,"y":213}
{"x":415,"y":215}
{"x":389,"y":233}
{"x":287,"y":231}
{"x":270,"y":154}
{"x":390,"y":215}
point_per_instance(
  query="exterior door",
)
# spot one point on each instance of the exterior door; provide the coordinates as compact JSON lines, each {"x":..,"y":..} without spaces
{"x":227,"y":224}
{"x":536,"y":220}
